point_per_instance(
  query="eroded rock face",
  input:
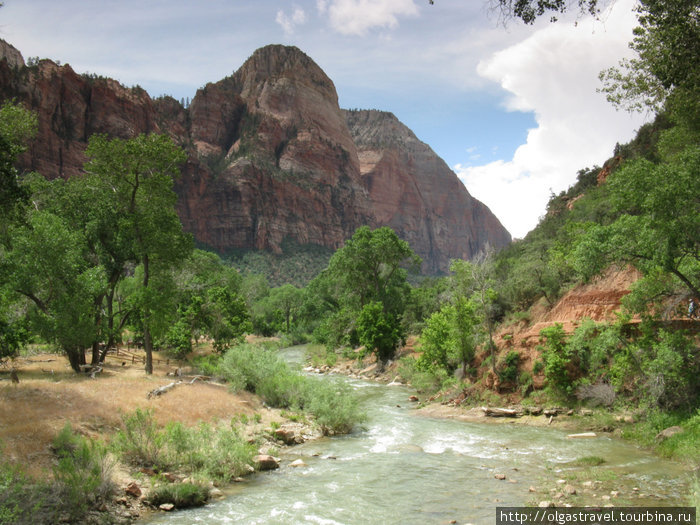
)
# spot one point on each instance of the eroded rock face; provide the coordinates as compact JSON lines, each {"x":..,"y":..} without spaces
{"x":271,"y":156}
{"x":276,"y":159}
{"x":418,"y":195}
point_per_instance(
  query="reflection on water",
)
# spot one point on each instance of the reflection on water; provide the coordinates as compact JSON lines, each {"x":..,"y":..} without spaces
{"x":406,"y":469}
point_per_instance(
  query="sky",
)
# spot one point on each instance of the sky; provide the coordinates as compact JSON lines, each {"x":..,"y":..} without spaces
{"x":511,"y":108}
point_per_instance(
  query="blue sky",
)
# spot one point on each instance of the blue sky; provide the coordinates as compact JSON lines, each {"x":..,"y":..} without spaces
{"x":512,"y":109}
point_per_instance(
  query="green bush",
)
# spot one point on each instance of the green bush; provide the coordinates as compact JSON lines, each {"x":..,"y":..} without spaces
{"x":140,"y":442}
{"x":263,"y":372}
{"x":556,"y":358}
{"x":178,"y":339}
{"x":436,"y":341}
{"x":83,"y":474}
{"x":333,"y":406}
{"x":15,"y":495}
{"x":424,"y":381}
{"x":508,"y":371}
{"x":182,"y":495}
{"x":228,"y":455}
{"x":219,"y":453}
{"x":207,"y":365}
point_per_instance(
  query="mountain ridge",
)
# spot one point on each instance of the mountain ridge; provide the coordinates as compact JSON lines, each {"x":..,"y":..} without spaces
{"x":271,"y":156}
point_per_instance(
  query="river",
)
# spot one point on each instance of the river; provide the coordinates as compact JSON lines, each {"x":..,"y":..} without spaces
{"x":402,"y":468}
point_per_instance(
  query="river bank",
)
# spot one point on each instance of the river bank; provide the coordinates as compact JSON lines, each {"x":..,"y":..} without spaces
{"x":50,"y":397}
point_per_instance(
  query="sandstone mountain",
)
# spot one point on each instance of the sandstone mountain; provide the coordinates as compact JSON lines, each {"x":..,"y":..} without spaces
{"x":272,"y":157}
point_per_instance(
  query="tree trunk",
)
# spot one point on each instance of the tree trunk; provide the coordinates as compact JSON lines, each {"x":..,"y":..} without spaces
{"x":147,"y":342}
{"x":95,"y":360}
{"x":76,"y":357}
{"x":148,"y":347}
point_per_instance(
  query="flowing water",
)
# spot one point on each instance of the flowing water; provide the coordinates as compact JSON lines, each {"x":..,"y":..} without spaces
{"x":402,"y":468}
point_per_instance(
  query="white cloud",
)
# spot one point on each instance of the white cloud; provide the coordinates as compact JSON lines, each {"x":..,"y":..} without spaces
{"x":289,"y":23}
{"x":554,"y":73}
{"x":356,"y":17}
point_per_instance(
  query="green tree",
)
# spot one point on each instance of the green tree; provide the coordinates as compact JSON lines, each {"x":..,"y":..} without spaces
{"x":141,"y":173}
{"x":465,"y":319}
{"x":666,"y":41}
{"x":17,"y":127}
{"x":476,"y":279}
{"x":47,"y":265}
{"x":288,"y":298}
{"x":378,"y":331}
{"x":227,"y":317}
{"x":658,"y":225}
{"x":530,"y":10}
{"x":437,"y":340}
{"x":370,"y":268}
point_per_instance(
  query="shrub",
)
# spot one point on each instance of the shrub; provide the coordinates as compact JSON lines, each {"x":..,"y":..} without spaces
{"x":182,"y":495}
{"x":140,"y":442}
{"x":525,"y":382}
{"x":83,"y":474}
{"x":424,"y":381}
{"x":509,"y":369}
{"x":266,"y":374}
{"x":228,"y":456}
{"x":207,"y":364}
{"x":672,"y":374}
{"x":178,"y":339}
{"x":598,"y":394}
{"x":436,"y":340}
{"x":556,"y":358}
{"x":333,"y":406}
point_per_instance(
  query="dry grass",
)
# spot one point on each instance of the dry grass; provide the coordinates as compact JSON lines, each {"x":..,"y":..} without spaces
{"x":51,"y":394}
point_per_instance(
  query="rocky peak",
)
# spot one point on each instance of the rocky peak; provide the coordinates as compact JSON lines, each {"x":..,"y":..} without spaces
{"x":271,"y":64}
{"x":418,"y":195}
{"x":272,"y":157}
{"x":11,"y":54}
{"x":371,"y":127}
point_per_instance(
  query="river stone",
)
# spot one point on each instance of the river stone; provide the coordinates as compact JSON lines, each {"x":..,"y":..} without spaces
{"x":297,"y":463}
{"x":570,"y":490}
{"x":166,"y":507}
{"x":215,"y":493}
{"x":266,"y":462}
{"x":582,"y":435}
{"x":545,"y":504}
{"x":133,"y":490}
{"x":500,"y":476}
{"x":668,"y":432}
{"x":287,"y":435}
{"x":413,"y":398}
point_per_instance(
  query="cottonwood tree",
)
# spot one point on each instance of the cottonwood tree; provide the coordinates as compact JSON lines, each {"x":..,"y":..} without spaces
{"x":47,"y":265}
{"x":140,"y":173}
{"x":475,"y":280}
{"x":530,"y":10}
{"x":371,"y":268}
{"x":667,"y":43}
{"x":17,"y":127}
{"x":658,"y":227}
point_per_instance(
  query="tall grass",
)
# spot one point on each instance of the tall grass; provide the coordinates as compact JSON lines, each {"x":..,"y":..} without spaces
{"x":263,"y":372}
{"x":218,"y":453}
{"x":82,"y":482}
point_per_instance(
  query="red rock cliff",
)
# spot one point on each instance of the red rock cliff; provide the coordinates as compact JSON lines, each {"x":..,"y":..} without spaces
{"x":271,"y":156}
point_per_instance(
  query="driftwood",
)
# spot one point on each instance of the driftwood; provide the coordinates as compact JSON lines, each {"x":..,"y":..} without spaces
{"x":93,"y":370}
{"x":165,"y":388}
{"x":162,"y":390}
{"x":500,"y":412}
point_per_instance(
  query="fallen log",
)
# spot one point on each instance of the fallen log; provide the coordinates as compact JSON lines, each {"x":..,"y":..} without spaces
{"x":500,"y":412}
{"x":162,"y":390}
